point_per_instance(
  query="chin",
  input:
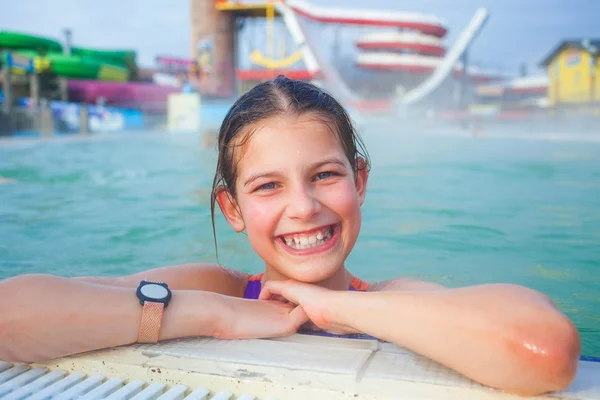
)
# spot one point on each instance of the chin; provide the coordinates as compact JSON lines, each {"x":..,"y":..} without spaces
{"x":313,"y":273}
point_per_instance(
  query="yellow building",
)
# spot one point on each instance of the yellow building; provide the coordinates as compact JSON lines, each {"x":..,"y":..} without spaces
{"x":574,"y":72}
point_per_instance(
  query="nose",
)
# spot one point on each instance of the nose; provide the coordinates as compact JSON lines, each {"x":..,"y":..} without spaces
{"x":303,"y":203}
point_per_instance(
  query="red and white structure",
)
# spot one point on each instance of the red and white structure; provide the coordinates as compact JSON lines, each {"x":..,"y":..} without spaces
{"x":410,"y":44}
{"x":416,"y":47}
{"x":427,"y":24}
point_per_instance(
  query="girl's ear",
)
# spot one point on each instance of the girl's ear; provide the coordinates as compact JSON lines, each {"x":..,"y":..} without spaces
{"x":362,"y":176}
{"x":230,"y":209}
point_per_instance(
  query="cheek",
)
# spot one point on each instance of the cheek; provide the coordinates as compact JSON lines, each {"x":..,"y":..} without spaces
{"x":347,"y":206}
{"x":258,"y":215}
{"x":344,"y":199}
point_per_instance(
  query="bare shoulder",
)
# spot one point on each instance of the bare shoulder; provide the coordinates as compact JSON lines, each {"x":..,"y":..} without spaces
{"x":195,"y":276}
{"x":404,"y":284}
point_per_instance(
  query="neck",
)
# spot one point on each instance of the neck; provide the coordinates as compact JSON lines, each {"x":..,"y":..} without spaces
{"x":340,"y":280}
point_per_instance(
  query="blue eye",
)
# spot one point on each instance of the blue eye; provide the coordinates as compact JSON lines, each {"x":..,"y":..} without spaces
{"x":324,"y":175}
{"x":267,"y":186}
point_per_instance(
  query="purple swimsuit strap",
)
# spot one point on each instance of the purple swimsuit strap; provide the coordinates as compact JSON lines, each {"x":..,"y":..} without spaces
{"x":254,"y":285}
{"x":252,"y":289}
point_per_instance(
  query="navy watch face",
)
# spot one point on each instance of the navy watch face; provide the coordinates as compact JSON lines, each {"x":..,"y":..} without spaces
{"x":152,"y":291}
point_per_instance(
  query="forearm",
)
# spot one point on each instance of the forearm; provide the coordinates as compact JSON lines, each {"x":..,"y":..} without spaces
{"x":45,"y":316}
{"x":500,"y":335}
{"x":179,"y":277}
{"x":196,"y":276}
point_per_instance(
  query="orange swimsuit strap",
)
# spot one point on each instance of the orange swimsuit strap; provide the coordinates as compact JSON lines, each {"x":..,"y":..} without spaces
{"x":359,"y":285}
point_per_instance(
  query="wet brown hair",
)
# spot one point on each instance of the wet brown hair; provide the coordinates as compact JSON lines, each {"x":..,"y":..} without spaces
{"x":279,"y":96}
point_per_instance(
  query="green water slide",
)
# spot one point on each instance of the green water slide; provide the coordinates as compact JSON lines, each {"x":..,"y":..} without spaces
{"x":125,"y":57}
{"x":78,"y":67}
{"x":16,"y":40}
{"x":82,"y":67}
{"x":83,"y":63}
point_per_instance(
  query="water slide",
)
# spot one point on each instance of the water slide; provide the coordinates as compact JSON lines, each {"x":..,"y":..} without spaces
{"x":331,"y":78}
{"x":446,"y":66}
{"x":82,"y":63}
{"x":312,"y":60}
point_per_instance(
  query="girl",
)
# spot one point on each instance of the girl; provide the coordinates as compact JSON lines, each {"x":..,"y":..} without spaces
{"x":292,"y":174}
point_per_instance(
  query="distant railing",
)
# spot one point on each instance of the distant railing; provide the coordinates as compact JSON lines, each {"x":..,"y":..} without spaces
{"x":56,"y":117}
{"x":69,"y":118}
{"x":20,"y":120}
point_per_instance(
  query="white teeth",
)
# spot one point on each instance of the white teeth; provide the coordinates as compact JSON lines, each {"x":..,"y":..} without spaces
{"x":305,"y":242}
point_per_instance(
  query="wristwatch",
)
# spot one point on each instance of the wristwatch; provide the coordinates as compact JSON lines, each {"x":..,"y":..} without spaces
{"x":154,"y":298}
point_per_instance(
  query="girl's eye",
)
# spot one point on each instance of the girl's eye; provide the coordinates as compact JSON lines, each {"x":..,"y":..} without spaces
{"x":324,"y":175}
{"x":267,"y":186}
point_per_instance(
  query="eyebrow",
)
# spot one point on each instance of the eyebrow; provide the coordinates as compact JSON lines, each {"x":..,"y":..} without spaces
{"x":316,"y":165}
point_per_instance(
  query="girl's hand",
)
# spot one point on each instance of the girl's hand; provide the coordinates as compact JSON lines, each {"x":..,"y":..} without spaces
{"x":314,"y":300}
{"x":249,"y":319}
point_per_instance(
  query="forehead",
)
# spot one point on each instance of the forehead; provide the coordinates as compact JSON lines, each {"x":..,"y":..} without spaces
{"x":279,"y":142}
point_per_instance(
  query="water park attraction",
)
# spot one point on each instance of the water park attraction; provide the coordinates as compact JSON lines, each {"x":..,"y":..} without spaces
{"x":409,"y":45}
{"x":86,"y":75}
{"x":76,"y":63}
{"x":402,"y":60}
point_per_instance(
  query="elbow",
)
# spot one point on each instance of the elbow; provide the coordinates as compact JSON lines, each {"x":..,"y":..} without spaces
{"x":9,"y":343}
{"x":552,"y":360}
{"x":561,"y":369}
{"x":7,"y":355}
{"x":14,"y":320}
{"x":13,"y":348}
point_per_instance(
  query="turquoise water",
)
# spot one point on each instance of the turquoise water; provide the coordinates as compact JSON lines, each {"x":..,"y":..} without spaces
{"x":449,"y":209}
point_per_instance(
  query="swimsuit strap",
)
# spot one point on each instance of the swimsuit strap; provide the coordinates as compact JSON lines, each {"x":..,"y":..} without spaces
{"x":359,"y":285}
{"x":254,"y":285}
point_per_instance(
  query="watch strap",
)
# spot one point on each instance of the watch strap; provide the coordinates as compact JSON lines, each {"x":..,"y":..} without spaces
{"x":150,"y":323}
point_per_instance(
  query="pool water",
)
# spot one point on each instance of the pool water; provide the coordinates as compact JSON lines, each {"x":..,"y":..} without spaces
{"x":444,"y":208}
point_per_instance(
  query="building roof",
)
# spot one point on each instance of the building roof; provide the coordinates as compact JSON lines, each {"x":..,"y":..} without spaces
{"x":591,"y":45}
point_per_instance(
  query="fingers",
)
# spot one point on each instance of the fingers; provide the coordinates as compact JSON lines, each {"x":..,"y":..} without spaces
{"x":298,"y":317}
{"x":270,"y":289}
{"x":274,"y":290}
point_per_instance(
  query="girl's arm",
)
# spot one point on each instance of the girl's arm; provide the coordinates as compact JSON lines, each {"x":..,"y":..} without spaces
{"x":505,"y":336}
{"x":44,"y":317}
{"x":197,"y":276}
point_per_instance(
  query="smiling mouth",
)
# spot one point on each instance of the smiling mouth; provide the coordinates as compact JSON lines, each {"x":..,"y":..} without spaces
{"x":313,"y":239}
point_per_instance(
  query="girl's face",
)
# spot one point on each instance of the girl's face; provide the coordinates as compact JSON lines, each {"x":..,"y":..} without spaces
{"x":297,"y":197}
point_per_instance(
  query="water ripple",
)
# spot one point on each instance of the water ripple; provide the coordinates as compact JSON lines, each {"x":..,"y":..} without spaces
{"x":446,"y":209}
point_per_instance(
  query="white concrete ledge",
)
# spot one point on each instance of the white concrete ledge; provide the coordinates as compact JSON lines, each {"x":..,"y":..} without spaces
{"x":296,"y":367}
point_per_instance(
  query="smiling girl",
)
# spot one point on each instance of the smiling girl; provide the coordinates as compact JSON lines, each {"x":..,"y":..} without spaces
{"x":292,"y":174}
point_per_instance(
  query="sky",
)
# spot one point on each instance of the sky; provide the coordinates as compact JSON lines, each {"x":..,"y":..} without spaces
{"x":518,"y":31}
